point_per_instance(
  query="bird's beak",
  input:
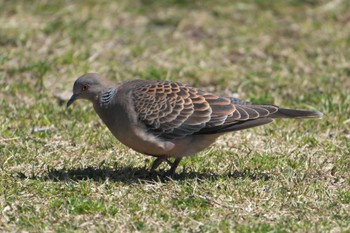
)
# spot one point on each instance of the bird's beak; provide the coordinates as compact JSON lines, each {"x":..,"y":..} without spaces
{"x":72,"y":99}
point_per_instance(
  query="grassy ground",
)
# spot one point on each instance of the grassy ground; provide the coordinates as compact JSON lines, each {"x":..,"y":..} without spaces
{"x":61,"y":170}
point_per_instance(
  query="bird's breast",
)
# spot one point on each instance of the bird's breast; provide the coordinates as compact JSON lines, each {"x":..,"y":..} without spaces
{"x":130,"y":132}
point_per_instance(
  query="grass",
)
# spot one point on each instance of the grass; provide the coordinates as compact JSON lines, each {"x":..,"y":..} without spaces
{"x":61,"y":170}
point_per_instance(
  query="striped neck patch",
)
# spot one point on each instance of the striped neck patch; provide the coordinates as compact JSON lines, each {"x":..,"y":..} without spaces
{"x":107,"y":96}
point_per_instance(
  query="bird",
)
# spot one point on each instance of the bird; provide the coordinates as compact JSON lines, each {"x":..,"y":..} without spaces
{"x":170,"y":120}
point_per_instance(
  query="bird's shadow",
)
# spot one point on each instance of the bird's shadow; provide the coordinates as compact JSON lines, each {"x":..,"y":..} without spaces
{"x":130,"y":174}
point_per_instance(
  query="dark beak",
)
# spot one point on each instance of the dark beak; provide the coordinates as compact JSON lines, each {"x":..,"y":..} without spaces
{"x":72,"y":99}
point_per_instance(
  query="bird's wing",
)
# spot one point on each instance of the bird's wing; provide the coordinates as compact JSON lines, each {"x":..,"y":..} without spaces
{"x":171,"y":110}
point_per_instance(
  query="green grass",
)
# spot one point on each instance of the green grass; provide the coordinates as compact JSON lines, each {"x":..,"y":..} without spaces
{"x":61,"y":170}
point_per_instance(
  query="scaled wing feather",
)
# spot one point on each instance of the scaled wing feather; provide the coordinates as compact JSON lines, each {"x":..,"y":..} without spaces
{"x":171,"y":110}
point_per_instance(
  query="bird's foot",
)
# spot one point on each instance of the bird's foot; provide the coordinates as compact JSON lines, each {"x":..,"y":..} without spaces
{"x":173,"y":165}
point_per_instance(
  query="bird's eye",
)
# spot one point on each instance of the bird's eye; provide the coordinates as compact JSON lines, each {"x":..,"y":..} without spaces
{"x":85,"y":87}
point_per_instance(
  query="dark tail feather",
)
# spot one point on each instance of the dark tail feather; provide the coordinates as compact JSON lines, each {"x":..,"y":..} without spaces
{"x":247,"y":124}
{"x":236,"y":126}
{"x":294,"y":113}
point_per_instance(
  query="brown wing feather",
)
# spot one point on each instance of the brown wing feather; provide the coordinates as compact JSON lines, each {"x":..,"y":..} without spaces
{"x":172,"y":110}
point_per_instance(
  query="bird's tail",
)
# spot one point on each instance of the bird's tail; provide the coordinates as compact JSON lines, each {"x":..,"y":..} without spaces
{"x":294,"y":113}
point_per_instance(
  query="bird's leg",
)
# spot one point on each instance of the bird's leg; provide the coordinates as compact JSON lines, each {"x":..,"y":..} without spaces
{"x":174,"y":166}
{"x":169,"y":162}
{"x":157,"y":162}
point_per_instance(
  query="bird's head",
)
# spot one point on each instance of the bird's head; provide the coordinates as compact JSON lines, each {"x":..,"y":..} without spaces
{"x":87,"y":87}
